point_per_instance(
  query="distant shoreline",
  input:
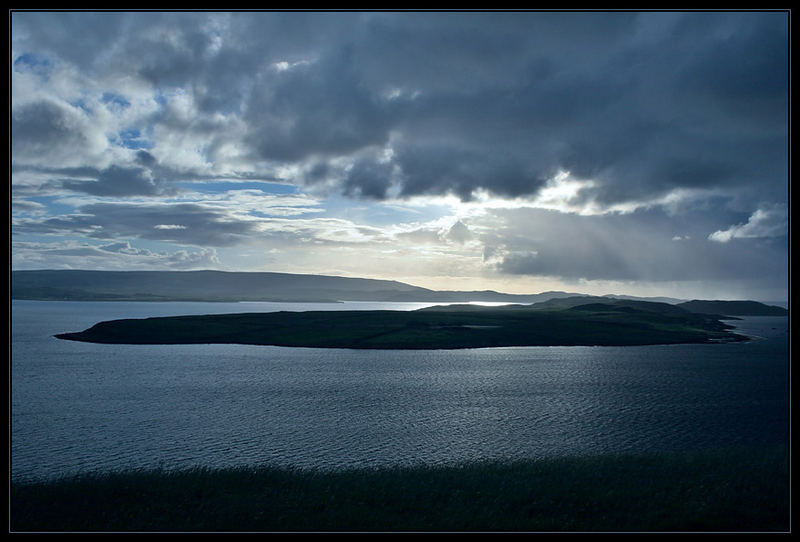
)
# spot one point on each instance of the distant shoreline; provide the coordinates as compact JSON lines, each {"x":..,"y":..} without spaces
{"x":276,"y":301}
{"x":228,"y":286}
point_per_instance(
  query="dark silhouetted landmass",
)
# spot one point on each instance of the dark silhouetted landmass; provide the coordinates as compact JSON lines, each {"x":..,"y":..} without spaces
{"x":594,"y":324}
{"x":733,"y":308}
{"x":78,"y":285}
{"x":81,"y":285}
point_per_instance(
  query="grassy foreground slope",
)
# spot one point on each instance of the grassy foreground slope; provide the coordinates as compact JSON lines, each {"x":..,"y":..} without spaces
{"x":436,"y":327}
{"x":721,"y":490}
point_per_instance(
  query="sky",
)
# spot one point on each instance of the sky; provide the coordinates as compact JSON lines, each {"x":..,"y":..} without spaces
{"x":640,"y":153}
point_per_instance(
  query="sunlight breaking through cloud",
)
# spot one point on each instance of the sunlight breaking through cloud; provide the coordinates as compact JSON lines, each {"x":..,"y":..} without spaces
{"x":400,"y":138}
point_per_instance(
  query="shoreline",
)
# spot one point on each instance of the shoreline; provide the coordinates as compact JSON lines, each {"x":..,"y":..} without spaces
{"x":730,"y":489}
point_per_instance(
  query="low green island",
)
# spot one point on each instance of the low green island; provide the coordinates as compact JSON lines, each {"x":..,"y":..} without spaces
{"x":617,"y":323}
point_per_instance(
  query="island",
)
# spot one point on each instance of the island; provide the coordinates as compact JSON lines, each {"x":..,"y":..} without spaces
{"x":617,"y":323}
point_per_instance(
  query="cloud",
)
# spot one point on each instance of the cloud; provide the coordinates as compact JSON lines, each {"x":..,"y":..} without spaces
{"x":51,"y":131}
{"x":459,"y":233}
{"x":218,"y":222}
{"x":119,"y":181}
{"x":24,"y":206}
{"x":198,"y":225}
{"x":117,"y":255}
{"x":499,"y":102}
{"x":318,"y":108}
{"x":202,"y":259}
{"x":368,"y":179}
{"x":632,"y":247}
{"x":580,"y":145}
{"x":771,"y":222}
{"x":317,"y":232}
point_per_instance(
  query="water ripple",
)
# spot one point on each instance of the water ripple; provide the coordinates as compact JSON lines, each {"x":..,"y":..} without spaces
{"x":81,"y":407}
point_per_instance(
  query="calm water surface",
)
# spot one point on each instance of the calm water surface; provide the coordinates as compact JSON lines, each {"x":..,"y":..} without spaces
{"x":79,"y":407}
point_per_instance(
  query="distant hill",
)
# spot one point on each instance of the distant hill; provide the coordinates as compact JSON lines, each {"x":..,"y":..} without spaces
{"x":605,"y":301}
{"x":733,"y":308}
{"x":81,"y":285}
{"x":85,"y":285}
{"x":711,"y":308}
{"x":660,"y":299}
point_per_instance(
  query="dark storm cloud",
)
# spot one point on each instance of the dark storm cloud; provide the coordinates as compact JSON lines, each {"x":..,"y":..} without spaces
{"x":42,"y":124}
{"x":707,"y":109}
{"x":642,"y":103}
{"x":45,"y":128}
{"x":317,"y":108}
{"x":366,"y":179}
{"x":118,"y":182}
{"x":488,"y":106}
{"x":435,"y":169}
{"x":461,"y":53}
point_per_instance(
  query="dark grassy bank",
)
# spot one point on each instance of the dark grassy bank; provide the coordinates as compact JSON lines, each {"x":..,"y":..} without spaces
{"x":437,"y":327}
{"x":728,"y":490}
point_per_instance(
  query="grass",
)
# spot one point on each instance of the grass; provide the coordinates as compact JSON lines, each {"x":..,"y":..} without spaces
{"x":724,"y":490}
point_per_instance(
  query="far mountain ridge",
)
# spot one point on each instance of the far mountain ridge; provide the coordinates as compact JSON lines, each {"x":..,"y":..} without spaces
{"x":91,"y":285}
{"x":603,"y":301}
{"x":231,"y":286}
{"x":733,"y":308}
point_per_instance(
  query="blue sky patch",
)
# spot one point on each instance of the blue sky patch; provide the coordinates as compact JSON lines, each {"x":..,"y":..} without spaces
{"x":113,"y":99}
{"x":132,"y":139}
{"x":37,"y":64}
